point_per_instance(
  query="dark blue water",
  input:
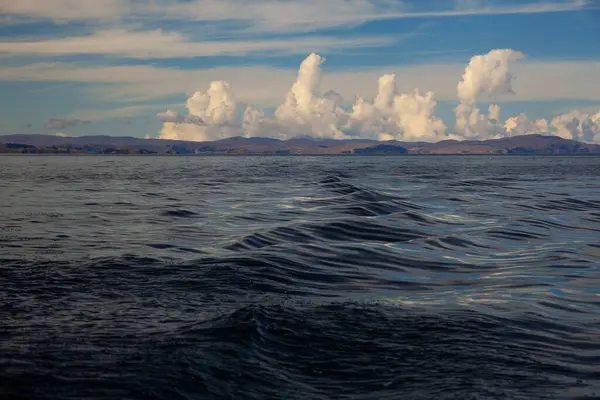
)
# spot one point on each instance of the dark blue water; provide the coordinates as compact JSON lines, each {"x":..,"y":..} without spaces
{"x":299,"y":277}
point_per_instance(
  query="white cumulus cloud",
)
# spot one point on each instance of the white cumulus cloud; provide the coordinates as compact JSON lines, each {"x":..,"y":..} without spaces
{"x":574,"y":125}
{"x":487,"y":75}
{"x":578,"y":126}
{"x":306,"y":110}
{"x":210,"y":116}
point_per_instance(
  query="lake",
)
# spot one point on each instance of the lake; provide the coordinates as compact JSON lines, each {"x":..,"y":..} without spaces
{"x":408,"y":277}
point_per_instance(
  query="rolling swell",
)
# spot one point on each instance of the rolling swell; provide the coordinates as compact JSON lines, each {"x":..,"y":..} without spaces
{"x":346,"y":278}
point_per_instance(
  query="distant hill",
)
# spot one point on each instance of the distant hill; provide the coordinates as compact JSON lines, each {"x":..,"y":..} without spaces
{"x":527,"y":144}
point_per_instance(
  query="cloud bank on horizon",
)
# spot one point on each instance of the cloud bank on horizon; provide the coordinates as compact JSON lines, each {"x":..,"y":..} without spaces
{"x":308,"y":111}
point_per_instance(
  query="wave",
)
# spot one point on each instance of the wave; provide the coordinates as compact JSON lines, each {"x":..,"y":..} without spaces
{"x":301,"y":278}
{"x":343,"y":350}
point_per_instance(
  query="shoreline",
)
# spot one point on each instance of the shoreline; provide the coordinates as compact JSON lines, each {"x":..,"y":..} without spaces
{"x":305,"y":155}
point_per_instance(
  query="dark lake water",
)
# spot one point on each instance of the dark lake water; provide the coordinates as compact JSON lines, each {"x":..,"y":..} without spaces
{"x":299,"y":277}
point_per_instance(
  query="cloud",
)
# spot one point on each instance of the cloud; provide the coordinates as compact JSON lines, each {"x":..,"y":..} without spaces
{"x":63,"y":123}
{"x":575,"y":125}
{"x":175,"y":117}
{"x":255,"y":122}
{"x":521,"y":125}
{"x":488,"y":75}
{"x":266,"y":15}
{"x":216,"y":106}
{"x":61,"y":134}
{"x":155,"y":44}
{"x":197,"y":133}
{"x":305,"y":110}
{"x":93,"y":115}
{"x":414,"y":113}
{"x":578,"y":126}
{"x":210,"y":115}
{"x":395,"y":116}
{"x":67,"y":10}
{"x":264,"y":85}
{"x":170,"y":116}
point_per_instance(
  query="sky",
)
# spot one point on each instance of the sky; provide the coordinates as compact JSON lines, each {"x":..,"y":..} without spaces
{"x":381,"y":69}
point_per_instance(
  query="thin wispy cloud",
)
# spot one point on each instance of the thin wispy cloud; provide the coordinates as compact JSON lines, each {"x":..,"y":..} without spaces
{"x":93,"y":115}
{"x":68,"y":10}
{"x":64,"y":123}
{"x":536,"y":81}
{"x":164,"y":44}
{"x":268,"y":15}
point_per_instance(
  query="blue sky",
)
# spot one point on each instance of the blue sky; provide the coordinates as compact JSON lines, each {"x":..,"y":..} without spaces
{"x":117,"y":63}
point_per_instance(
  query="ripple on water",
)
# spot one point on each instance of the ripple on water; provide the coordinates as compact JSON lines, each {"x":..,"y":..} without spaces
{"x":300,"y":277}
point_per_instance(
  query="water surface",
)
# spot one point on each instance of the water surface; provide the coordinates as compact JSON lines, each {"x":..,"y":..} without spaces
{"x":299,"y":277}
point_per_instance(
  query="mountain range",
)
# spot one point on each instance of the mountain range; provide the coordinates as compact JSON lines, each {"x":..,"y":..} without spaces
{"x":526,"y":144}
